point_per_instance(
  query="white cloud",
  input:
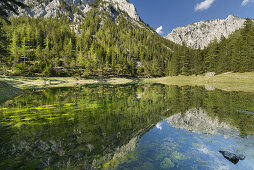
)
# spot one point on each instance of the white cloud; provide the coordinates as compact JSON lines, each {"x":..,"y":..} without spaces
{"x":203,"y":5}
{"x":159,"y":30}
{"x":159,"y":126}
{"x":245,"y":2}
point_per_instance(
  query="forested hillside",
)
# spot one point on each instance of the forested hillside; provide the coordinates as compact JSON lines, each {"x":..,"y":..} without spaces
{"x":234,"y":54}
{"x":103,"y":46}
{"x":98,"y":46}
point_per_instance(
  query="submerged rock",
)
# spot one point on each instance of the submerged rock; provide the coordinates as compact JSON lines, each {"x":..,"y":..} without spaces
{"x":167,"y":164}
{"x":234,"y":158}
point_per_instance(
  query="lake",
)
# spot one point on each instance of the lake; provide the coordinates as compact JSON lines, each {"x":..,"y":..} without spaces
{"x":127,"y":127}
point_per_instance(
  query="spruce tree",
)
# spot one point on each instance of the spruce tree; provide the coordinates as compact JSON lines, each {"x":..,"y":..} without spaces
{"x":14,"y":49}
{"x":24,"y":49}
{"x":3,"y":44}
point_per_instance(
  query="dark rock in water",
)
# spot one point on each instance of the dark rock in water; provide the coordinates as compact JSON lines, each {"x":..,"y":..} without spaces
{"x":234,"y":158}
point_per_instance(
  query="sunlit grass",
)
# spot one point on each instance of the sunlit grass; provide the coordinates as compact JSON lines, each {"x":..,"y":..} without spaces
{"x":225,"y":81}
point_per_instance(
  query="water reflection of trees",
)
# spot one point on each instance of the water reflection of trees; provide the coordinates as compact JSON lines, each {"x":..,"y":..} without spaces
{"x":83,"y":127}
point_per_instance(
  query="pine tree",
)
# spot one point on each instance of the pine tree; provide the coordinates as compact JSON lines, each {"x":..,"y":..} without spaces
{"x":247,"y":46}
{"x":173,"y":66}
{"x":108,"y":56}
{"x":80,"y":59}
{"x":28,"y":37}
{"x":46,"y":51}
{"x":93,"y":56}
{"x":224,"y":56}
{"x":3,"y":44}
{"x":212,"y":57}
{"x":39,"y":56}
{"x":185,"y":65}
{"x":236,"y":57}
{"x":197,"y":62}
{"x":14,"y":49}
{"x":24,"y":49}
{"x":68,"y":52}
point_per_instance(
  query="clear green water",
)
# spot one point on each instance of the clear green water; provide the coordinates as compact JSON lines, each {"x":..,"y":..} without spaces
{"x":126,"y":127}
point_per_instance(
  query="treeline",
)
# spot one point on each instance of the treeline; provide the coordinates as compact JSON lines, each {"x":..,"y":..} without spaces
{"x":98,"y":46}
{"x":103,"y":46}
{"x":234,"y":54}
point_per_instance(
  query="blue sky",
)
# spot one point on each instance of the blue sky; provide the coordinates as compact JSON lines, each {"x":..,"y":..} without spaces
{"x":169,"y":14}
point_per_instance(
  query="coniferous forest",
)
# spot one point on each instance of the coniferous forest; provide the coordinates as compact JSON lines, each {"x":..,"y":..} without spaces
{"x":102,"y":46}
{"x":83,"y":106}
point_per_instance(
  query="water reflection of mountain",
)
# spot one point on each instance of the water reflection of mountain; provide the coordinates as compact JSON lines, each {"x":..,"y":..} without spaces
{"x":75,"y":128}
{"x":197,"y":120}
{"x":93,"y":126}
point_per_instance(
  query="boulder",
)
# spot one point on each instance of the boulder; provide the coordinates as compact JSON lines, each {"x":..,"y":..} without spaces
{"x":234,"y":158}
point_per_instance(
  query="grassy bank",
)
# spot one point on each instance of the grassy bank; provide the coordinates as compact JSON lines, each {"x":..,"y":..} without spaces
{"x":225,"y":81}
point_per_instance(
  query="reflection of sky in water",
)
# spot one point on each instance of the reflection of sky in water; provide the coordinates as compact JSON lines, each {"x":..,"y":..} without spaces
{"x":106,"y":127}
{"x":199,"y":151}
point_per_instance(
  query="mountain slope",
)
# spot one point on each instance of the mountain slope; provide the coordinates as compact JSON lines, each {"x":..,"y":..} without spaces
{"x":202,"y":33}
{"x":107,"y":41}
{"x":75,"y":9}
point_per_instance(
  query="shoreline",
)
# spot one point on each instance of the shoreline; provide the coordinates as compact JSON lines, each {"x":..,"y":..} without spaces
{"x":46,"y":82}
{"x":226,"y":81}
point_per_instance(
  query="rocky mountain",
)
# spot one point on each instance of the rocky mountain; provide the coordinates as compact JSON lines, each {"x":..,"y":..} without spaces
{"x":200,"y":34}
{"x":76,"y":9}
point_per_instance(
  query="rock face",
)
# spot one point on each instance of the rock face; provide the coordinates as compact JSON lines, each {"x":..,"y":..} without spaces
{"x":75,"y":9}
{"x":202,"y":33}
{"x":55,"y":8}
{"x":125,"y":6}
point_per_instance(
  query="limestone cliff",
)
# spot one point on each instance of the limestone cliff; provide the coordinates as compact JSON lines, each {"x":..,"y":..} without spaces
{"x":75,"y":9}
{"x":200,"y":34}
